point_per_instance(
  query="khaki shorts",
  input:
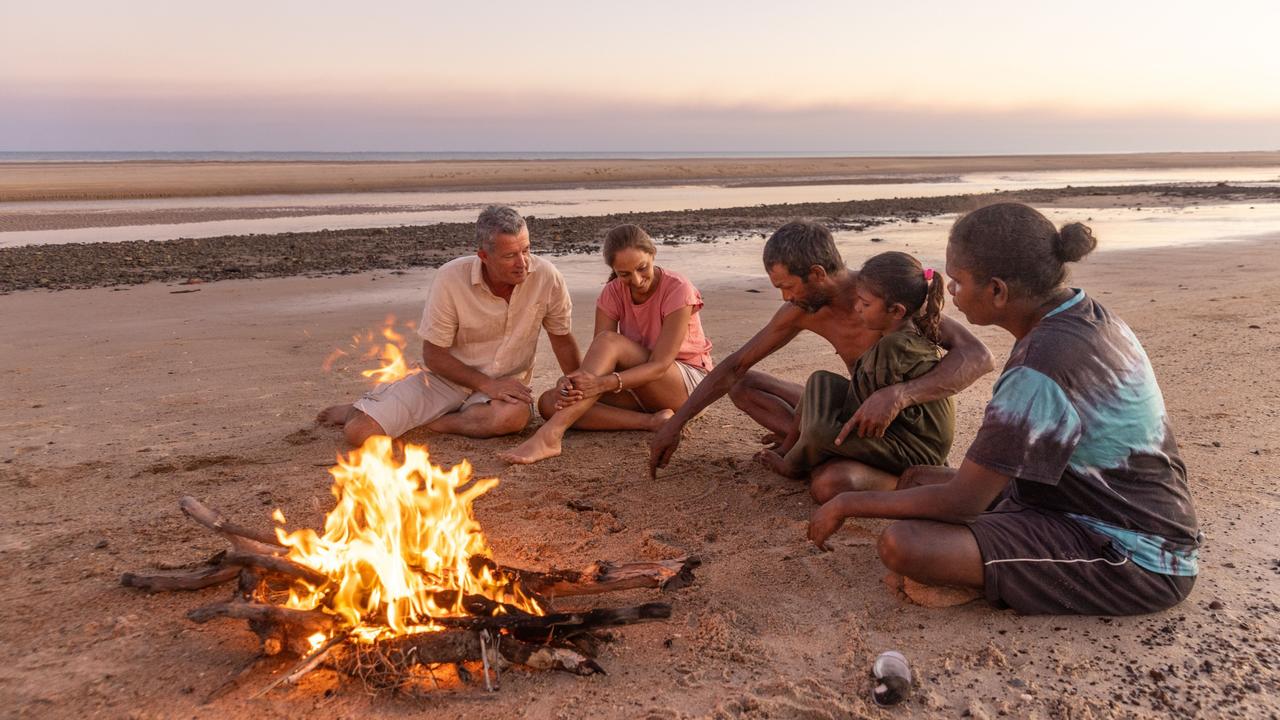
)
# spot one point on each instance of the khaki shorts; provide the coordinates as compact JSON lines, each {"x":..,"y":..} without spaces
{"x":416,"y":399}
{"x":691,"y":376}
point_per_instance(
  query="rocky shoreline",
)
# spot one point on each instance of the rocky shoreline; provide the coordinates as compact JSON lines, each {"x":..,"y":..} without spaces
{"x":325,"y":252}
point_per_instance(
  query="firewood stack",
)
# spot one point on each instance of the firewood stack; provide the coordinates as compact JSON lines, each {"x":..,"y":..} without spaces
{"x":488,"y":635}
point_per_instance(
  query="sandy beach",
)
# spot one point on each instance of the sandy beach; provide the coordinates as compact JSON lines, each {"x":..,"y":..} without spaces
{"x":81,"y":181}
{"x":121,"y":399}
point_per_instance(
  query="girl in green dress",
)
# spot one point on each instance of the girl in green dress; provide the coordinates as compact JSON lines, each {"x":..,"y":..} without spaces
{"x":903,"y":300}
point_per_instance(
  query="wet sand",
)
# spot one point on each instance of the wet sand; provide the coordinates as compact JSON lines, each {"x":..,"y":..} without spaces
{"x":119,"y":400}
{"x":82,"y":181}
{"x":401,"y":248}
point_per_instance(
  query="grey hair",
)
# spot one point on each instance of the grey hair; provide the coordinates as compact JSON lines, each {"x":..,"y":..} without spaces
{"x":497,"y":220}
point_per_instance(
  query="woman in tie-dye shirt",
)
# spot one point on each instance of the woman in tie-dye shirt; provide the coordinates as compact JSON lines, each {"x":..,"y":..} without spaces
{"x":1072,"y":497}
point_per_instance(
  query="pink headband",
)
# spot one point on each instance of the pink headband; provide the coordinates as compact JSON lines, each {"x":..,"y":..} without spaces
{"x":928,"y":275}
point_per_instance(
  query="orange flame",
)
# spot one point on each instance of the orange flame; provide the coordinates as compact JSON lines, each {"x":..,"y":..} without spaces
{"x":385,"y":345}
{"x":398,"y":545}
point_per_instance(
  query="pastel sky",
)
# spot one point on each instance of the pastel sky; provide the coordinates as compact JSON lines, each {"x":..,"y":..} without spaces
{"x":908,"y":76}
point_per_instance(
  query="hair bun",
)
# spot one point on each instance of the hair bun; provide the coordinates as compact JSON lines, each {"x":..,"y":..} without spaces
{"x":1073,"y":242}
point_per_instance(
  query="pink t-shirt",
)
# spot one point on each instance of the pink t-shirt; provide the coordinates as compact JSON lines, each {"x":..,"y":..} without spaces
{"x":642,"y":323}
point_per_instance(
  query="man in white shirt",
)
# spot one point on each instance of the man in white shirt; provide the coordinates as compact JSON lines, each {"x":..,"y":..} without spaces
{"x":479,"y":332}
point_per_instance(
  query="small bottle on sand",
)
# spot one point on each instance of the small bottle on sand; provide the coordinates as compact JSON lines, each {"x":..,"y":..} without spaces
{"x":893,"y":678}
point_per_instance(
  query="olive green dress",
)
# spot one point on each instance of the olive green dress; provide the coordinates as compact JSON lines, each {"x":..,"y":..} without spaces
{"x":920,"y":435}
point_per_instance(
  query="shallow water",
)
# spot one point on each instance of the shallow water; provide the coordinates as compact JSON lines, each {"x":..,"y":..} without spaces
{"x":386,"y":209}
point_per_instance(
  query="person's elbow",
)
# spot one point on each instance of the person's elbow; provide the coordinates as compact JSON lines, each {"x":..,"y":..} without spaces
{"x":983,"y":361}
{"x":431,"y":355}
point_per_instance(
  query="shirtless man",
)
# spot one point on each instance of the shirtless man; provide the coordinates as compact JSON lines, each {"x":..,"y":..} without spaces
{"x":803,"y":263}
{"x":479,"y":331}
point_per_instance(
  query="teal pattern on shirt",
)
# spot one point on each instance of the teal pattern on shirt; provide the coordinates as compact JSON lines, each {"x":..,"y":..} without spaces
{"x":1078,"y":421}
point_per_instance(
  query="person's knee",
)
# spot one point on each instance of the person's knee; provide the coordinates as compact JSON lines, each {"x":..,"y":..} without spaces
{"x":896,"y":547}
{"x":359,"y":428}
{"x":824,"y":485}
{"x":508,"y":418}
{"x":610,"y":339}
{"x":740,"y":393}
{"x":547,"y":404}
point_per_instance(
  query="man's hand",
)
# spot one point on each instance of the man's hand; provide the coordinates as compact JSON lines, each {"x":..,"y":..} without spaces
{"x":566,"y":393}
{"x":508,"y":390}
{"x":824,"y":522}
{"x":875,"y":415}
{"x":663,"y":446}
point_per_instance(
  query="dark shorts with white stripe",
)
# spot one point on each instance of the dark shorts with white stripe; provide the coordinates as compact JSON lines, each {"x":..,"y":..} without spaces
{"x":1040,"y":562}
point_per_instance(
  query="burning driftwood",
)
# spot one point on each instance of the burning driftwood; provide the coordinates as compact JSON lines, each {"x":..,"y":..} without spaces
{"x":401,"y":581}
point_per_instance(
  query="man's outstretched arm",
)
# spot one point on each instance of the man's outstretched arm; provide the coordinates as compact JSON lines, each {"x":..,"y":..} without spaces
{"x":967,"y":359}
{"x":782,"y":329}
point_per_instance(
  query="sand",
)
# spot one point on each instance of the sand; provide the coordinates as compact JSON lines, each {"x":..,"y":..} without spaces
{"x":119,"y":400}
{"x":83,"y":181}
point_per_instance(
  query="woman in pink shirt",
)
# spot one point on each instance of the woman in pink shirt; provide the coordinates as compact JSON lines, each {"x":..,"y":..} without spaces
{"x":648,"y":354}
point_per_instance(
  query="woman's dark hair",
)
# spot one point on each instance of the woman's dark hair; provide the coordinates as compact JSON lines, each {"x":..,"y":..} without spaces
{"x":900,"y":279}
{"x":623,"y":237}
{"x":799,"y":245}
{"x":1017,"y":244}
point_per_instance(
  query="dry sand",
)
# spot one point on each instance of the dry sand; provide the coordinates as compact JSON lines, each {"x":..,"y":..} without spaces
{"x":118,"y":401}
{"x":83,"y":181}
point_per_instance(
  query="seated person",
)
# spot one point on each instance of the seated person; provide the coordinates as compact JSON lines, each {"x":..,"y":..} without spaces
{"x":818,"y":293}
{"x":1091,"y":514}
{"x":479,"y":332}
{"x":903,"y":300}
{"x":648,"y":354}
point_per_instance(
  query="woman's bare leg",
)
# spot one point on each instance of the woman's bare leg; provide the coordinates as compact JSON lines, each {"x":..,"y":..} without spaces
{"x":609,"y":352}
{"x":611,"y":412}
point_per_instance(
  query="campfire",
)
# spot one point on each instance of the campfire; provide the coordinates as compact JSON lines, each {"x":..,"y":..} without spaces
{"x":385,"y":345}
{"x":401,"y":582}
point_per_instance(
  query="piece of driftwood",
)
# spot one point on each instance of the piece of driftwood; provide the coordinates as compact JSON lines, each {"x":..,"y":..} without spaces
{"x":598,"y":577}
{"x":387,"y":662}
{"x":562,"y":624}
{"x":165,"y":581}
{"x":277,"y":564}
{"x":241,"y":538}
{"x":309,"y":621}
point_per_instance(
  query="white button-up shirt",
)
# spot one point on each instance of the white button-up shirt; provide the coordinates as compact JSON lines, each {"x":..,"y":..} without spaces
{"x":487,"y":333}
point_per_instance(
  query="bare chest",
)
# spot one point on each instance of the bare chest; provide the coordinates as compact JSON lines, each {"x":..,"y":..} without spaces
{"x":846,"y":333}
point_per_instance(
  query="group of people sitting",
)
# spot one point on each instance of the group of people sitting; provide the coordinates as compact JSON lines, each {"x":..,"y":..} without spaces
{"x":1071,"y":499}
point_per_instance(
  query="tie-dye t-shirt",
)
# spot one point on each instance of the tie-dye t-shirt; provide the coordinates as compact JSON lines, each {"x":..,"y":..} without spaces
{"x":1078,"y":421}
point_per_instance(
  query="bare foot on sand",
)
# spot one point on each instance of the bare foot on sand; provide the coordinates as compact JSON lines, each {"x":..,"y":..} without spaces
{"x":659,"y":419}
{"x":337,"y":415}
{"x":538,"y":447}
{"x":774,"y":462}
{"x":937,"y":596}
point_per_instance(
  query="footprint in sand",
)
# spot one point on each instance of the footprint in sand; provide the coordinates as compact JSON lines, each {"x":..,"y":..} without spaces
{"x":302,"y":436}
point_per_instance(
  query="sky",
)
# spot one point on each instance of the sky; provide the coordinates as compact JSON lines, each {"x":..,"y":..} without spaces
{"x":913,"y":77}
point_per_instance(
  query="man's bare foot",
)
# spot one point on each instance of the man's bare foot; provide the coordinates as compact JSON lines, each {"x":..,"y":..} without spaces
{"x":539,"y":447}
{"x":660,"y":418}
{"x":937,"y":596}
{"x":774,"y":462}
{"x":337,"y":415}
